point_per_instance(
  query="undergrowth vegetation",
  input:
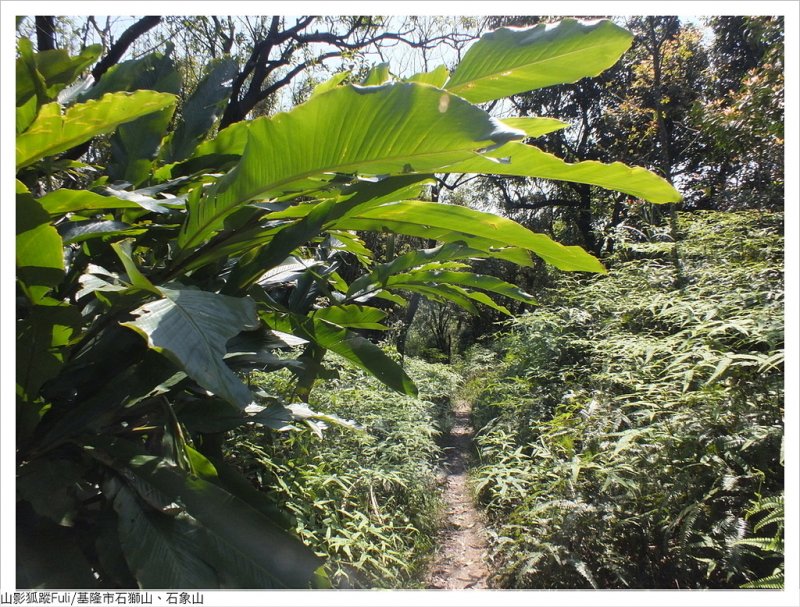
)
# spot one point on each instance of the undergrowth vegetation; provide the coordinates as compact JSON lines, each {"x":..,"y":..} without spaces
{"x":364,"y":498}
{"x":631,"y":428}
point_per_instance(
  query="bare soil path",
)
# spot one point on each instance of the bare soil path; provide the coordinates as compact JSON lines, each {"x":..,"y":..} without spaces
{"x":460,"y":560}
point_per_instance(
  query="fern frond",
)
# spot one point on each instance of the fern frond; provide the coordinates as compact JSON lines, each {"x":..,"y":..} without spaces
{"x":771,"y":582}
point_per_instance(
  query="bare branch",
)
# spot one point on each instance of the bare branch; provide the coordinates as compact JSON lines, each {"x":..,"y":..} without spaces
{"x":127,"y":38}
{"x":294,"y":72}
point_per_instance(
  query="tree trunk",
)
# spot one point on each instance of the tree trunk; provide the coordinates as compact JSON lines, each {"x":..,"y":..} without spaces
{"x":45,"y":33}
{"x":584,"y":220}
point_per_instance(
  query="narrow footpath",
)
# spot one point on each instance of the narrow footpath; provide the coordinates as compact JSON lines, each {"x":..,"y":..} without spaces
{"x":460,"y":560}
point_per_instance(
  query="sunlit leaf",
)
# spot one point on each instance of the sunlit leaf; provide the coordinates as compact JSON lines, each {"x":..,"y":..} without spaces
{"x":353,"y":316}
{"x":509,"y":61}
{"x":53,"y":132}
{"x":390,"y":129}
{"x":519,"y":159}
{"x":361,"y":352}
{"x":39,"y":248}
{"x":463,"y":223}
{"x":534,"y":126}
{"x":436,"y":77}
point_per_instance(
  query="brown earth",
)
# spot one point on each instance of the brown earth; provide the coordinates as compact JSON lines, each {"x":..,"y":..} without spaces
{"x":460,"y":559}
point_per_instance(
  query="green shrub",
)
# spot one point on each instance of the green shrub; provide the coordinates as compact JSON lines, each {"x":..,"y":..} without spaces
{"x":628,"y":424}
{"x":365,"y":499}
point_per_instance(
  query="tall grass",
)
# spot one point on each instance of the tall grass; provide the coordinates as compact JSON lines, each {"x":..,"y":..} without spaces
{"x":366,"y":500}
{"x":629,"y":425}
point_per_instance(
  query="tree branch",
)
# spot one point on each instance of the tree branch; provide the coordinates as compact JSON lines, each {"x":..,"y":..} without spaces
{"x":118,"y":49}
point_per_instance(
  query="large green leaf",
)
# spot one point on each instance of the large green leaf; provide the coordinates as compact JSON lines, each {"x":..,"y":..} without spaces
{"x":60,"y":202}
{"x":313,"y":218}
{"x":524,"y":160}
{"x":230,"y":141}
{"x":26,"y":113}
{"x":381,"y":272}
{"x":436,"y":77}
{"x":394,"y":128}
{"x":53,"y":132}
{"x":245,"y":548}
{"x":30,"y":82}
{"x":361,"y":352}
{"x":378,"y":74}
{"x":330,"y":83}
{"x":443,"y":293}
{"x":78,"y":231}
{"x":477,"y":229}
{"x":161,"y":551}
{"x":44,"y":74}
{"x":42,"y":338}
{"x":464,"y":279}
{"x":491,"y":247}
{"x":153,"y":71}
{"x":535,"y":126}
{"x":39,"y":249}
{"x":352,"y":316}
{"x":511,"y":61}
{"x":201,"y":110}
{"x":191,"y":327}
{"x":135,"y":144}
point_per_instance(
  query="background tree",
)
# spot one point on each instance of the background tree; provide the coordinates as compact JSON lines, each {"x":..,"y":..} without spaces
{"x":741,"y":119}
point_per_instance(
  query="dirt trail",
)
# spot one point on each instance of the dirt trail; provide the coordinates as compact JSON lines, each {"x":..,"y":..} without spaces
{"x":460,"y":560}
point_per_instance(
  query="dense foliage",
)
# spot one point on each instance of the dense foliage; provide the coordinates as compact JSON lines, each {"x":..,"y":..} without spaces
{"x":364,"y":499}
{"x":631,"y":428}
{"x":159,"y":259}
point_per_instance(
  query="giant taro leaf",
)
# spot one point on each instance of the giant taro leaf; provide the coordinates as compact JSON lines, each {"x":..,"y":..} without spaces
{"x":244,"y":548}
{"x":535,"y":126}
{"x":353,"y":316}
{"x":313,"y":217}
{"x":39,"y":250}
{"x":389,"y":129}
{"x":45,"y":73}
{"x":483,"y":231}
{"x":510,"y":61}
{"x":191,"y":327}
{"x":381,"y":272}
{"x":136,"y":143}
{"x":201,"y":110}
{"x":62,"y":201}
{"x":53,"y":132}
{"x":466,"y":279}
{"x":162,"y":551}
{"x":521,"y":160}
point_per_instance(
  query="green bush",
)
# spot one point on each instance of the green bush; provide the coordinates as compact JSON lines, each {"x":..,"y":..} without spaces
{"x":365,"y":499}
{"x":629,"y":423}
